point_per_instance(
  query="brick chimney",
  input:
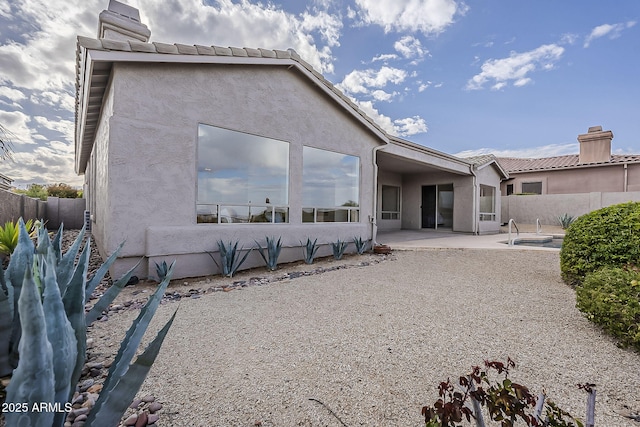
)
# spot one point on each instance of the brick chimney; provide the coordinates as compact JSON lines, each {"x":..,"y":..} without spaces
{"x":595,"y":145}
{"x":122,"y":22}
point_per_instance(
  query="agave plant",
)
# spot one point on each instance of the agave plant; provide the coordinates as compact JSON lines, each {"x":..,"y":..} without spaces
{"x":42,"y":308}
{"x":361,"y":245}
{"x":338,"y":248}
{"x":309,"y":250}
{"x":230,"y":258}
{"x":272,"y":252}
{"x":162,"y":270}
{"x":565,"y":220}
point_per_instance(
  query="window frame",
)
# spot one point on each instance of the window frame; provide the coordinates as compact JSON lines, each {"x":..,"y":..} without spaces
{"x":531,"y":183}
{"x":212,"y":213}
{"x":390,"y":214}
{"x":310,"y":212}
{"x":487,"y":216}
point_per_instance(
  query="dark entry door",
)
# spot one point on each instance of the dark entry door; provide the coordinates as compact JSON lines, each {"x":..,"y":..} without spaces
{"x":429,"y":206}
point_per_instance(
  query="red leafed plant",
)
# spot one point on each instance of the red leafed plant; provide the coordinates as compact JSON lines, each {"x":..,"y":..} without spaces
{"x":505,"y":402}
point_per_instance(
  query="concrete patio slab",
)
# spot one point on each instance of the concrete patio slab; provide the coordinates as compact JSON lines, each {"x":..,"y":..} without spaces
{"x":430,"y":239}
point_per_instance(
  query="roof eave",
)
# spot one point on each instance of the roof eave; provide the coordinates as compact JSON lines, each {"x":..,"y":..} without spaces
{"x":88,"y":56}
{"x":428,"y":150}
{"x":581,"y":166}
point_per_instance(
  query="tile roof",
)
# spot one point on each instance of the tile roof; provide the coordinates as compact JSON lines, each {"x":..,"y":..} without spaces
{"x":511,"y":164}
{"x":486,"y":159}
{"x":480,"y":160}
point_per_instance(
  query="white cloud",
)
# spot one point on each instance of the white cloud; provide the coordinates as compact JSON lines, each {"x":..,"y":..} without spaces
{"x":380,"y":95}
{"x":45,"y":164}
{"x":65,"y":127}
{"x":612,"y":30}
{"x":568,"y":38}
{"x":399,"y":127}
{"x":17,"y":123}
{"x":12,"y":94}
{"x":516,"y":67}
{"x":60,"y":99}
{"x":426,"y":16}
{"x":242,"y":23}
{"x":411,"y":126}
{"x":550,"y":150}
{"x":410,"y":47}
{"x":385,"y":57}
{"x":361,"y":81}
{"x":5,"y":8}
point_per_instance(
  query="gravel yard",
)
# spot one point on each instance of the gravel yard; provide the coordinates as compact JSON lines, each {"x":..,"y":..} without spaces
{"x":372,"y":343}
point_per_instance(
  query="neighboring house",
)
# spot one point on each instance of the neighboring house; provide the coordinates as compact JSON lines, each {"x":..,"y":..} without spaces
{"x":5,"y":182}
{"x":595,"y":169}
{"x":182,"y":146}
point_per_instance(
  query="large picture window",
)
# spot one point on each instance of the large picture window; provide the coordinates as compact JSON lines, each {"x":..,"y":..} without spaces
{"x":330,"y":186}
{"x":390,"y":202}
{"x":242,"y":178}
{"x":487,"y":203}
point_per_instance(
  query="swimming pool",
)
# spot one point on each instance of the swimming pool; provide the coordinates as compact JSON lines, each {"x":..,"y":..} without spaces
{"x":552,"y":243}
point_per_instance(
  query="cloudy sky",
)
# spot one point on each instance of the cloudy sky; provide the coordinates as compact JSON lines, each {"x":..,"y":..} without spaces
{"x":512,"y":78}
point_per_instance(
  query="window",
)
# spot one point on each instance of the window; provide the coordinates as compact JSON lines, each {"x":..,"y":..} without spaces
{"x":532,"y":187}
{"x":487,"y":203}
{"x":242,"y":178}
{"x":390,"y":202}
{"x":509,"y":189}
{"x":330,"y":186}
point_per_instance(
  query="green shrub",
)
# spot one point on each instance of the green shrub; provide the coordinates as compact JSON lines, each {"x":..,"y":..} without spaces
{"x":9,"y":236}
{"x":610,"y":297}
{"x":606,"y":237}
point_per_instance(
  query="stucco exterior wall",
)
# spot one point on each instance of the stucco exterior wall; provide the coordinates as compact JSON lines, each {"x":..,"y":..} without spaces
{"x":145,"y":183}
{"x":633,"y":177}
{"x":547,"y":208}
{"x":462,"y":199}
{"x":609,"y":178}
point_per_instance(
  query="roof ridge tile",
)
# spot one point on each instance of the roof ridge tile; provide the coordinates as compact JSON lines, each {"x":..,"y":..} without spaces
{"x":266,"y":53}
{"x":187,"y":49}
{"x":238,"y":51}
{"x":90,"y":43}
{"x":166,"y":48}
{"x":223,"y":51}
{"x":254,"y":53}
{"x":116,"y":45}
{"x":205,"y":50}
{"x":140,"y":46}
{"x":282,"y":54}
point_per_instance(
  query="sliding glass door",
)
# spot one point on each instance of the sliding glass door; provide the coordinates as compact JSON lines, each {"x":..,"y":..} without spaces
{"x":437,"y":206}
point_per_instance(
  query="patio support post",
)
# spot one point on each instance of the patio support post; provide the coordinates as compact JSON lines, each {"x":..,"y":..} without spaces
{"x":374,"y":212}
{"x":476,"y":208}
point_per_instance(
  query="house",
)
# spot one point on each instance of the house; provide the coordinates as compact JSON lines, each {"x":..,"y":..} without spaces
{"x":569,"y":185}
{"x":593,"y":170}
{"x":182,"y":146}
